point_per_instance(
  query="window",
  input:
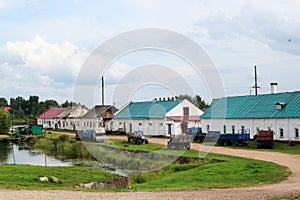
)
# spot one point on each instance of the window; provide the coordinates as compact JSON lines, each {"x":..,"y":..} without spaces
{"x":140,"y":124}
{"x":150,"y":124}
{"x":207,"y":128}
{"x":161,"y":124}
{"x":233,"y":129}
{"x":281,"y":132}
{"x":243,"y":129}
{"x":224,"y":128}
{"x":296,"y":132}
{"x":120,"y":123}
{"x":186,"y":111}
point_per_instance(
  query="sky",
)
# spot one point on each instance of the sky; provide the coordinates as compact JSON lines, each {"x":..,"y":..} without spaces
{"x":44,"y":46}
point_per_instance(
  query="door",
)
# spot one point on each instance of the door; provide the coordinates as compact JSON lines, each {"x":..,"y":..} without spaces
{"x":170,"y":129}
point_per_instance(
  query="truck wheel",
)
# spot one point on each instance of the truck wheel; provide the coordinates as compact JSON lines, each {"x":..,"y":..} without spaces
{"x":129,"y":140}
{"x":146,"y":142}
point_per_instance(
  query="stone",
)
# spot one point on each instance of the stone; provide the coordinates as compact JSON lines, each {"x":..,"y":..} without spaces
{"x":88,"y":185}
{"x":44,"y":179}
{"x":54,"y":179}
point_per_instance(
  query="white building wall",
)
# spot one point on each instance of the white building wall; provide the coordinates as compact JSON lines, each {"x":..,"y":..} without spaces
{"x":287,"y":125}
{"x":148,"y":126}
{"x":178,"y":110}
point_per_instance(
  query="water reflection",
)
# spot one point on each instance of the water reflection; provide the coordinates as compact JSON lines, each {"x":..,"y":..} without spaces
{"x":18,"y":154}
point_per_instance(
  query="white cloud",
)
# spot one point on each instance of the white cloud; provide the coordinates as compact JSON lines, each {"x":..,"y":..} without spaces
{"x":46,"y":68}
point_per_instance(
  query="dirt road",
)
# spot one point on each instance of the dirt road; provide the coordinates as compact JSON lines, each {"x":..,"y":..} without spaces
{"x":291,"y":186}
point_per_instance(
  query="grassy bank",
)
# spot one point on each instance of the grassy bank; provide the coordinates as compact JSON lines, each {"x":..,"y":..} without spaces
{"x":234,"y":172}
{"x":27,"y":177}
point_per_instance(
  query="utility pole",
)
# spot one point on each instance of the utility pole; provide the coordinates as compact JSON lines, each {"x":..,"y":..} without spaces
{"x":255,"y":76}
{"x":102,"y":91}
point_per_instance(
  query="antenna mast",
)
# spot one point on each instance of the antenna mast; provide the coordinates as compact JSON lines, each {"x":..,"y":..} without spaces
{"x":102,"y":91}
{"x":256,"y":85}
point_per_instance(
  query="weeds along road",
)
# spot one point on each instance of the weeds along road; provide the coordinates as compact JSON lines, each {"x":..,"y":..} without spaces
{"x":289,"y":187}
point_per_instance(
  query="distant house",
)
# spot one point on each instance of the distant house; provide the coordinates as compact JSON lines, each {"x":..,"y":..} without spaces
{"x":279,"y":112}
{"x":7,"y":108}
{"x":71,"y":117}
{"x":99,"y":116}
{"x":164,"y":117}
{"x":48,"y":119}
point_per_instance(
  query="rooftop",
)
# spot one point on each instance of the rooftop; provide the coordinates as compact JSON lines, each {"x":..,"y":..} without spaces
{"x":50,"y":113}
{"x":147,"y":109}
{"x":264,"y":106}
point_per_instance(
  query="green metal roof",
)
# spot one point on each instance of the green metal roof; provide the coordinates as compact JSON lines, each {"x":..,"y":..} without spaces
{"x":255,"y":107}
{"x":146,"y":110}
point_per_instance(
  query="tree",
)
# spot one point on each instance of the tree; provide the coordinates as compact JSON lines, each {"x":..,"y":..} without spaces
{"x":51,"y":103}
{"x":5,"y":121}
{"x":3,"y":102}
{"x":197,"y":101}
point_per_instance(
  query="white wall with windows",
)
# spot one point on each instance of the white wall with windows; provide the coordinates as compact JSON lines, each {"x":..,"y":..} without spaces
{"x":285,"y":129}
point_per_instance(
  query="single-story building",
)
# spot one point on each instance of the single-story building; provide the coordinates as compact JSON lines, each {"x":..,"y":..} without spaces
{"x":158,"y":117}
{"x":48,"y":118}
{"x":279,"y":112}
{"x":62,"y":118}
{"x":99,"y":116}
{"x":70,"y":118}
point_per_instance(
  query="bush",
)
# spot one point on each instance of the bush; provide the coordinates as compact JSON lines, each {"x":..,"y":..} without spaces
{"x":4,"y":121}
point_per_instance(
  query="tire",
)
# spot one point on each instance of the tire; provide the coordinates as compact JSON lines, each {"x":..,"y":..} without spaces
{"x":129,"y":139}
{"x":146,"y":142}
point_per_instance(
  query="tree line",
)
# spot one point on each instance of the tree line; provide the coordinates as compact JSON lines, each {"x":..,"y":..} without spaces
{"x":29,"y":108}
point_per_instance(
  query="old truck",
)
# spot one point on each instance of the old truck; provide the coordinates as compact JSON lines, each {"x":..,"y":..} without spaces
{"x":196,"y":132}
{"x":265,"y":139}
{"x":92,"y":135}
{"x":137,"y":137}
{"x":180,"y":142}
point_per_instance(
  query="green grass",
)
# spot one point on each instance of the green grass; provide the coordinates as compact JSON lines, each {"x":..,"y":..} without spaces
{"x":278,"y":147}
{"x":234,"y":172}
{"x":27,"y":177}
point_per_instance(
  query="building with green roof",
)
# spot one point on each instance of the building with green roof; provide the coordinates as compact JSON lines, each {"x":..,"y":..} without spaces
{"x":157,"y":117}
{"x":279,"y":112}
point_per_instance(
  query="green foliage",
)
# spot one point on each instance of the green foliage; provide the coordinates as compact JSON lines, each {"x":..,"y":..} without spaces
{"x":3,"y":102}
{"x":4,"y":121}
{"x":197,"y":100}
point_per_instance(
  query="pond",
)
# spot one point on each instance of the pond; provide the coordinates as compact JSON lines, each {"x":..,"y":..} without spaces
{"x":12,"y":153}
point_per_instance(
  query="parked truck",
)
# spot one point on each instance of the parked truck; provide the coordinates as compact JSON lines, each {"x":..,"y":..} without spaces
{"x":180,"y":142}
{"x":196,"y":132}
{"x":265,"y":139}
{"x":93,"y":135}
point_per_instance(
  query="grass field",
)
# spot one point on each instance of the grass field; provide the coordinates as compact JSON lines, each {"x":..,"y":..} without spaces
{"x":234,"y":172}
{"x":27,"y":177}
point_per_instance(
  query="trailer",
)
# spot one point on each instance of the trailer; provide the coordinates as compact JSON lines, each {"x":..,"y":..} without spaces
{"x":196,"y":132}
{"x":234,"y":139}
{"x":180,"y":142}
{"x":264,"y":139}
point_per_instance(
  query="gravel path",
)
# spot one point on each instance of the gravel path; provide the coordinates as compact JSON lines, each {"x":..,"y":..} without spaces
{"x":291,"y":186}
